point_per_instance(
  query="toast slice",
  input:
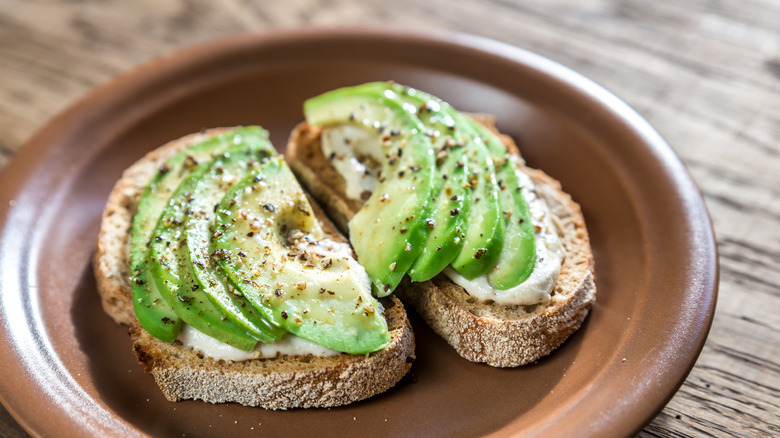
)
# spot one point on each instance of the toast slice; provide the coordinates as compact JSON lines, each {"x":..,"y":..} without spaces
{"x":499,"y":335}
{"x":181,"y":373}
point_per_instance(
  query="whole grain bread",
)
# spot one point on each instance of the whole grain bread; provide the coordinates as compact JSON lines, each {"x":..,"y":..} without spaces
{"x":181,"y":373}
{"x":499,"y":335}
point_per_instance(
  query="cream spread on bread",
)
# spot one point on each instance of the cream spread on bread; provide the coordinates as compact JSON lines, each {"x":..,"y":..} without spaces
{"x":289,"y":345}
{"x":356,"y":153}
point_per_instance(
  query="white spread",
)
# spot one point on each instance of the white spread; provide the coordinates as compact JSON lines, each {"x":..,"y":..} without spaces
{"x":355,"y":153}
{"x":348,"y":146}
{"x":289,"y":345}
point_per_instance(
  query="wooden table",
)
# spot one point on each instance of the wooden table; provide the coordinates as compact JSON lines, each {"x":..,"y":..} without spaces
{"x":705,"y":74}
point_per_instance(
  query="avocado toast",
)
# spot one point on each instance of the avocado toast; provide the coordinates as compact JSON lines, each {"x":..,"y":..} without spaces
{"x":506,"y":286}
{"x":237,"y":287}
{"x":211,"y":234}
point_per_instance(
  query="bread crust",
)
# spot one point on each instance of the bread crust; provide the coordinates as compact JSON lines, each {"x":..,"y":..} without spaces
{"x":498,"y":335}
{"x":181,"y":373}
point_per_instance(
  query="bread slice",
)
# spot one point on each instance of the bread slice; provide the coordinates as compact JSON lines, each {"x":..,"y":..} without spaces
{"x":499,"y":335}
{"x":277,"y":383}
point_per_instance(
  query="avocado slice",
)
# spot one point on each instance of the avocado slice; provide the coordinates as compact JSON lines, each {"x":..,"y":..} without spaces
{"x":452,"y":196}
{"x":152,"y":312}
{"x":390,"y":230}
{"x":211,"y":311}
{"x":485,"y":234}
{"x":465,"y":216}
{"x":272,"y":248}
{"x":518,"y":254}
{"x":204,"y":193}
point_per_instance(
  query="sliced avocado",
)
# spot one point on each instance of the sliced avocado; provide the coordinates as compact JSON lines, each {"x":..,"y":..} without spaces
{"x":518,"y":254}
{"x":271,"y":246}
{"x":169,"y":257}
{"x":390,"y":231}
{"x":452,"y":196}
{"x":204,"y":193}
{"x":485,"y":234}
{"x":506,"y":252}
{"x":476,"y":234}
{"x":155,"y":316}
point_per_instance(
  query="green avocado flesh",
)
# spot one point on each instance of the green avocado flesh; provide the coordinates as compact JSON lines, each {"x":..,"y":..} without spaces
{"x":151,"y":310}
{"x":518,"y":254}
{"x":194,"y":214}
{"x":476,"y":217}
{"x":271,"y":247}
{"x":469,"y":237}
{"x":176,"y":254}
{"x":202,"y":194}
{"x":390,"y":231}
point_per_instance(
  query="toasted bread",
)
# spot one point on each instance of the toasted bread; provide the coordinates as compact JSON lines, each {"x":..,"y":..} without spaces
{"x":499,"y":335}
{"x":282,"y":382}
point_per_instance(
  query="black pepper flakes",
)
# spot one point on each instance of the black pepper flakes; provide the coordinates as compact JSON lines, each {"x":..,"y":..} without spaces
{"x":222,"y":254}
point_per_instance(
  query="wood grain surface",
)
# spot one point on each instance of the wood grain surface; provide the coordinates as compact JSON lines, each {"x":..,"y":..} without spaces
{"x":706,"y":74}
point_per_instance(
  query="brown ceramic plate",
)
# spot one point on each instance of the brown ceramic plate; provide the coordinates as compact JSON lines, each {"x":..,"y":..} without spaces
{"x":68,"y":369}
